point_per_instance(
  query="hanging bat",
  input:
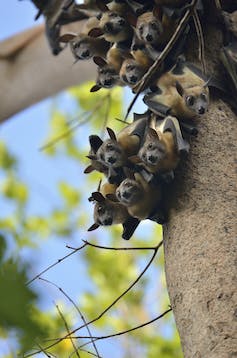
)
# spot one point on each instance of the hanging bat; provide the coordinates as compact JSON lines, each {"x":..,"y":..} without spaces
{"x":113,"y":153}
{"x":82,"y":45}
{"x":142,"y":199}
{"x":113,"y":26}
{"x":108,"y":213}
{"x":108,"y":70}
{"x":160,"y":152}
{"x":56,"y":14}
{"x":182,"y":92}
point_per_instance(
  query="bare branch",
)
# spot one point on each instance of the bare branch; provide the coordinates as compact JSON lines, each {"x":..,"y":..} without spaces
{"x":55,"y":263}
{"x":123,"y":332}
{"x":108,"y":308}
{"x":68,"y":330}
{"x":76,"y":307}
{"x":120,"y":248}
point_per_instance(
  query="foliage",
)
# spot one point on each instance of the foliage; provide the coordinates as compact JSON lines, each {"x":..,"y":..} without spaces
{"x":108,"y":273}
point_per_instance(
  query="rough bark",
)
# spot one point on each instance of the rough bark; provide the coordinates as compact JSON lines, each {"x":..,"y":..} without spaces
{"x":29,"y":72}
{"x":200,"y":237}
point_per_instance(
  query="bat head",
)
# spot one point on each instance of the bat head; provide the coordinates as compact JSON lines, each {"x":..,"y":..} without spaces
{"x":149,"y":27}
{"x":103,"y":210}
{"x":129,"y":192}
{"x":111,"y":153}
{"x":95,"y":143}
{"x":82,"y":46}
{"x":131,"y":72}
{"x":196,"y":98}
{"x":107,"y":75}
{"x":112,"y":23}
{"x":153,"y":149}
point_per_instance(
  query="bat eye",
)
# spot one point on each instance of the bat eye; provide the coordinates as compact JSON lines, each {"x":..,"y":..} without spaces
{"x":140,"y":29}
{"x":203,"y":96}
{"x":100,"y":210}
{"x":149,"y":146}
{"x":76,"y":45}
{"x":190,"y":100}
{"x":113,"y":14}
{"x":110,"y":146}
{"x":153,"y":25}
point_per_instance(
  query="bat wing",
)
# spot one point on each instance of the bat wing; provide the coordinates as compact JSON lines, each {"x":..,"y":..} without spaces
{"x":172,"y":124}
{"x":140,"y":128}
{"x":154,"y":105}
{"x":129,"y":226}
{"x":229,"y":60}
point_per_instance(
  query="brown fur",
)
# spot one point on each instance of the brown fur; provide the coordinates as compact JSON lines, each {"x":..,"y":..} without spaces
{"x":105,"y":209}
{"x":147,"y":200}
{"x":165,"y":27}
{"x":95,"y":46}
{"x":192,"y":85}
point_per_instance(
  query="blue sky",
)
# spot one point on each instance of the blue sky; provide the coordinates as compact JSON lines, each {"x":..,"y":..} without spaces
{"x":25,"y":133}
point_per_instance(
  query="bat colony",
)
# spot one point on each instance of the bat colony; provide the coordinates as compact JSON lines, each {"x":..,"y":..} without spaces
{"x":124,"y":38}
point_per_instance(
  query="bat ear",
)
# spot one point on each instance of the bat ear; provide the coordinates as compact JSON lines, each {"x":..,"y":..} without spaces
{"x":95,"y":32}
{"x":89,"y":169}
{"x":67,"y":37}
{"x":93,"y":227}
{"x":95,"y":142}
{"x":97,"y":196}
{"x":207,"y":82}
{"x":102,"y":6}
{"x":157,"y":13}
{"x":179,"y":88}
{"x":132,"y":19}
{"x":95,"y":88}
{"x":99,"y":61}
{"x":91,"y":157}
{"x":112,"y":197}
{"x":111,"y":134}
{"x":135,"y":159}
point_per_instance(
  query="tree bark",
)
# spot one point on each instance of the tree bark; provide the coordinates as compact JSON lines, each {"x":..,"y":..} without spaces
{"x":29,"y":72}
{"x":200,"y":237}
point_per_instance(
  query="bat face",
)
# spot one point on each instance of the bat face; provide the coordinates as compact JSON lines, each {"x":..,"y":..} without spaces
{"x":152,"y":152}
{"x":129,"y":192}
{"x":131,"y":72}
{"x":149,"y":29}
{"x":82,"y":48}
{"x":104,"y":213}
{"x":197,"y":99}
{"x":111,"y":154}
{"x":107,"y":77}
{"x":112,"y":23}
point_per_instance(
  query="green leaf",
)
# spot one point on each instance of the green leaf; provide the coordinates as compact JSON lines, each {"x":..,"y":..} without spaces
{"x":70,"y":194}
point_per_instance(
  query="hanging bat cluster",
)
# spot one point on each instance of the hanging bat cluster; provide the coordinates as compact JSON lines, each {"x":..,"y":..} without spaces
{"x":124,"y":39}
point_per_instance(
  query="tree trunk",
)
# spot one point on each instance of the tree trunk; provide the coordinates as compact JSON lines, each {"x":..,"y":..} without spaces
{"x":200,"y":237}
{"x":29,"y":72}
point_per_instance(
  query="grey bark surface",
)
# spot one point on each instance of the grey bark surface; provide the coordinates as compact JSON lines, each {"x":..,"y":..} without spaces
{"x":200,"y":237}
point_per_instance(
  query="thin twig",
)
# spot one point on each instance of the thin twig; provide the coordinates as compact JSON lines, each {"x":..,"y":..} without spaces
{"x":68,"y":330}
{"x":115,"y":248}
{"x":76,"y":307}
{"x":148,"y":75}
{"x":44,"y":351}
{"x":96,"y":338}
{"x":201,"y":44}
{"x":55,"y":263}
{"x":88,"y":116}
{"x":108,"y":308}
